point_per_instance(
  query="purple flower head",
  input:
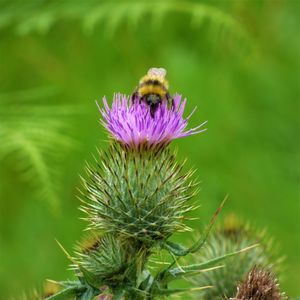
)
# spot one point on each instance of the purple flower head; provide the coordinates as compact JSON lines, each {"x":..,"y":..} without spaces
{"x":131,"y":123}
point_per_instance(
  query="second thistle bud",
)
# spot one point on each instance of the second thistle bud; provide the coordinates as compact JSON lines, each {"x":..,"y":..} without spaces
{"x":105,"y":258}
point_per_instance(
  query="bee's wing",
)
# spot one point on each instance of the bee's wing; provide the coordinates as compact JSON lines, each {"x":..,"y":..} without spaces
{"x":161,"y":72}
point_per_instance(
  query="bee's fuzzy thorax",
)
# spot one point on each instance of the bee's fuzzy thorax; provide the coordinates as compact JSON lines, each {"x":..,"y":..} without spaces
{"x":153,"y":84}
{"x":152,"y":78}
{"x":151,"y":89}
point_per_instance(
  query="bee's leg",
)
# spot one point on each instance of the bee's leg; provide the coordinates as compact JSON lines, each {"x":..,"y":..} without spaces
{"x":152,"y":111}
{"x":153,"y":108}
{"x":142,"y":99}
{"x":134,"y":96}
{"x":170,"y":101}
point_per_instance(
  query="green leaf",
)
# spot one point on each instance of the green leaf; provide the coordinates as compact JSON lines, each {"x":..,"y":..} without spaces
{"x":174,"y":248}
{"x":168,"y":292}
{"x":180,"y":250}
{"x":145,"y":281}
{"x":200,"y":243}
{"x":179,"y":272}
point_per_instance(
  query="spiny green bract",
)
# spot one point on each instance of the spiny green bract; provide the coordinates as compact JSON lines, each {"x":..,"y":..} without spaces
{"x":229,"y":237}
{"x":104,"y":257}
{"x":138,"y":194}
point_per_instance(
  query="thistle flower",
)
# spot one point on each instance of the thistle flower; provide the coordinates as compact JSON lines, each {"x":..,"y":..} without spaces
{"x":259,"y":284}
{"x":131,"y":123}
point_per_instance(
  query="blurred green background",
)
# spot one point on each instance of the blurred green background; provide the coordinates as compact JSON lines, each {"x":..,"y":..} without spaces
{"x":237,"y":61}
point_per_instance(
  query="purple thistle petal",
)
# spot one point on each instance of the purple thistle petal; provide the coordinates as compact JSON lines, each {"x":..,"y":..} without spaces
{"x":132,"y":124}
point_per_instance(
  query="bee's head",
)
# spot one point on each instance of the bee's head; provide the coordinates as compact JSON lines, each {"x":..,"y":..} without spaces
{"x":152,"y":99}
{"x":157,"y":72}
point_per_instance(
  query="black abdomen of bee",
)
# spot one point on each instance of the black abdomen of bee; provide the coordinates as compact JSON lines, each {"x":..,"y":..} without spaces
{"x":152,"y":100}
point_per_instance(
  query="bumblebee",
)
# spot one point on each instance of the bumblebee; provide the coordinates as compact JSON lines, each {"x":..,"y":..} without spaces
{"x":153,"y":89}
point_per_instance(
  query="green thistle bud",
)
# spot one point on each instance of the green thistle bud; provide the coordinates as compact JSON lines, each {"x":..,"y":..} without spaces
{"x":138,"y":194}
{"x":259,"y":284}
{"x":231,"y":236}
{"x":105,"y":258}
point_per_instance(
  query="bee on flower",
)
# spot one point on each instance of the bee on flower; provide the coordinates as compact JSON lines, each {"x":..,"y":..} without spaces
{"x":153,"y":89}
{"x":150,"y":116}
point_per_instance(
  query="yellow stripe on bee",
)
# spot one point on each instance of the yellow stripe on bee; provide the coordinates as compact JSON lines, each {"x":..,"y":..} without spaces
{"x":160,"y":79}
{"x":151,"y":89}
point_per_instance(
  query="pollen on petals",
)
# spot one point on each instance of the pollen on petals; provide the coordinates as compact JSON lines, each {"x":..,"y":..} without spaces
{"x":132,"y":124}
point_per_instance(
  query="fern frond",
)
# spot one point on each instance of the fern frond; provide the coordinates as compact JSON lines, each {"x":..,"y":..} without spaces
{"x":39,"y":16}
{"x":32,"y":138}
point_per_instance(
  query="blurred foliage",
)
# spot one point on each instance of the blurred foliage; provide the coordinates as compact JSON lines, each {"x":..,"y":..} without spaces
{"x":41,"y":15}
{"x":30,"y":135}
{"x":238,"y":61}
